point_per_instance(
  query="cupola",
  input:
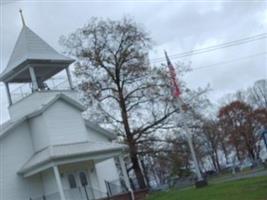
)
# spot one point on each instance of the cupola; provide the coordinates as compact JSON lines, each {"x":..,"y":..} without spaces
{"x":33,"y":61}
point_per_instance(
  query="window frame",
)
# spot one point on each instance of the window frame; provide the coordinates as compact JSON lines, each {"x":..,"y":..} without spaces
{"x":72,"y":181}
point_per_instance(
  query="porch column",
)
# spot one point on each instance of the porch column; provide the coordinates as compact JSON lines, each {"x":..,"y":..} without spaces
{"x":125,"y":176}
{"x":33,"y":78}
{"x":69,"y":78}
{"x":59,"y":183}
{"x":8,"y":93}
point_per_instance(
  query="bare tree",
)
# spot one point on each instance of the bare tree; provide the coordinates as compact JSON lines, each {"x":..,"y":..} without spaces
{"x":120,"y":88}
{"x":257,"y":95}
{"x":242,"y":121}
{"x":212,"y":140}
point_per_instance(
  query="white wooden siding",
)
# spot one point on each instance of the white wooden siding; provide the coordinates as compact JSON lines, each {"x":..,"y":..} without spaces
{"x":95,"y":136}
{"x":16,"y":149}
{"x":106,"y":171}
{"x":35,"y":102}
{"x":49,"y":182}
{"x":39,"y":133}
{"x":95,"y":182}
{"x":61,"y":123}
{"x":64,"y":124}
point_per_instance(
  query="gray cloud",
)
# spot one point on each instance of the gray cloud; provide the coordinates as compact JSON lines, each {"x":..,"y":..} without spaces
{"x":174,"y":26}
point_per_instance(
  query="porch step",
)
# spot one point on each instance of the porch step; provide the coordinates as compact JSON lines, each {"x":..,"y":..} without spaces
{"x":139,"y":195}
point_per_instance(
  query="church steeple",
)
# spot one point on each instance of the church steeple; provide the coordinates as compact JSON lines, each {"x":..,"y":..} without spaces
{"x":22,"y":18}
{"x":33,"y":61}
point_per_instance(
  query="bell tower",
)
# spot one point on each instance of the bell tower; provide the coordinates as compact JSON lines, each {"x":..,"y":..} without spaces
{"x":33,"y":63}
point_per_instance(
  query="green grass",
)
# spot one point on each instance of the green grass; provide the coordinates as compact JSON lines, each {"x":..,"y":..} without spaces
{"x":246,"y":189}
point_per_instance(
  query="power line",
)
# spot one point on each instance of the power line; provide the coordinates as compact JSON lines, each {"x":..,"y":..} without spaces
{"x":213,"y":48}
{"x":229,"y":61}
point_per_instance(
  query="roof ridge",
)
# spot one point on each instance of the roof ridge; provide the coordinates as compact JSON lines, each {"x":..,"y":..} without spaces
{"x":14,"y":49}
{"x":30,"y":46}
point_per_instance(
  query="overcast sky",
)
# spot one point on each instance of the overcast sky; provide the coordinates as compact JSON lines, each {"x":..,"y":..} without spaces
{"x":177,"y":26}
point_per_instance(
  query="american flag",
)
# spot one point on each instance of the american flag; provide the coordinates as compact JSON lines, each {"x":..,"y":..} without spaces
{"x":175,"y":87}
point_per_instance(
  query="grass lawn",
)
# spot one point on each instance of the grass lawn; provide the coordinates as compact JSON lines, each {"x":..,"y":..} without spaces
{"x":246,"y":189}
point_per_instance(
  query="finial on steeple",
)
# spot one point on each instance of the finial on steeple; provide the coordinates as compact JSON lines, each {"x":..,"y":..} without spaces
{"x":22,"y":18}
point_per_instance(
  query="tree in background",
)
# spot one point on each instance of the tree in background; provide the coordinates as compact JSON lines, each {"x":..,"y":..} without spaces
{"x":223,"y":131}
{"x":239,"y":119}
{"x":213,"y":138}
{"x":257,"y":95}
{"x":259,"y":117}
{"x":172,"y":159}
{"x":120,"y":88}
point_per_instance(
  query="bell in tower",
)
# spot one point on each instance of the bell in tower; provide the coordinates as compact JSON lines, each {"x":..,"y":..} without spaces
{"x":33,"y":62}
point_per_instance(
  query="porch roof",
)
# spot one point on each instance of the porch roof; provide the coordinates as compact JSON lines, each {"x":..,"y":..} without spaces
{"x":69,"y":153}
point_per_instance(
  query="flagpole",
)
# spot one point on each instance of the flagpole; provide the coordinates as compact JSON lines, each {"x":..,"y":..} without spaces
{"x":183,"y":108}
{"x":190,"y":142}
{"x":193,"y":154}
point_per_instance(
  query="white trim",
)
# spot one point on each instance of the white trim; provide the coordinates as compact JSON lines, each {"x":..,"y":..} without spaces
{"x":125,"y":176}
{"x":59,"y":183}
{"x":41,"y":110}
{"x":99,"y":129}
{"x":8,"y":93}
{"x":33,"y":78}
{"x":69,"y":78}
{"x":44,"y":166}
{"x":30,"y":44}
{"x":68,"y":100}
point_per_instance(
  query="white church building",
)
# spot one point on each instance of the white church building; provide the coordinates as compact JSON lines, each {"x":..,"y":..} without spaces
{"x":48,"y":151}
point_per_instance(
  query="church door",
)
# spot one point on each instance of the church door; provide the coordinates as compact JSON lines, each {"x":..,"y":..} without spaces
{"x":78,"y":186}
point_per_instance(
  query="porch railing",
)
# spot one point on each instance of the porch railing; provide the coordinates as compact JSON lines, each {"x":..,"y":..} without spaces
{"x":80,"y":193}
{"x":116,"y":187}
{"x":52,"y":196}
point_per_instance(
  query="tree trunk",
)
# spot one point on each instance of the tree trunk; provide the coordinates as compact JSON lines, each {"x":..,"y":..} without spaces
{"x":225,"y":153}
{"x":217,"y":161}
{"x":145,"y":173}
{"x":137,"y":170}
{"x":252,"y":154}
{"x":133,"y":148}
{"x":213,"y":162}
{"x":238,"y":153}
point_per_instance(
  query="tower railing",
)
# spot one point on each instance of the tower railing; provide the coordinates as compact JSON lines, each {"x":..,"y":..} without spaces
{"x":25,"y":90}
{"x":20,"y":92}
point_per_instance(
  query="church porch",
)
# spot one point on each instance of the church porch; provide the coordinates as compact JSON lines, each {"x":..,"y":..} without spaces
{"x":73,"y":175}
{"x":80,"y":181}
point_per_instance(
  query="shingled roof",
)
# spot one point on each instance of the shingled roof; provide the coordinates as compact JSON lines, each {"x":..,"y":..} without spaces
{"x":28,"y":47}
